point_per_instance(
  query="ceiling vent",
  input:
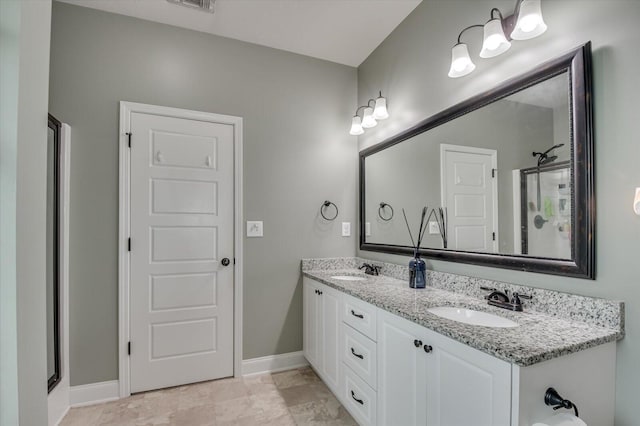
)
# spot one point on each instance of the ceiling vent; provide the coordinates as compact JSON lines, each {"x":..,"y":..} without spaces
{"x":204,"y":5}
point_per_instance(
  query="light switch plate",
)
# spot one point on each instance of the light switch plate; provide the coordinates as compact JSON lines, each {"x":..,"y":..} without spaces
{"x":254,"y":228}
{"x":367,"y":229}
{"x":433,"y":228}
{"x":346,"y":229}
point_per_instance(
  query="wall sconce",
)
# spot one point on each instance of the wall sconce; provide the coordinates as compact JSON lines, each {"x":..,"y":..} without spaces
{"x":370,"y":116}
{"x":636,"y":202}
{"x":528,"y":24}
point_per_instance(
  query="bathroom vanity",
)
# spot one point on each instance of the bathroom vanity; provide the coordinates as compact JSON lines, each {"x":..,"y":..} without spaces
{"x":391,"y":362}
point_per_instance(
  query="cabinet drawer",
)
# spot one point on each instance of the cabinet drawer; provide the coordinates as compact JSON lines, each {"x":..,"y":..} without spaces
{"x":359,"y":353}
{"x":359,"y":398}
{"x":361,"y":316}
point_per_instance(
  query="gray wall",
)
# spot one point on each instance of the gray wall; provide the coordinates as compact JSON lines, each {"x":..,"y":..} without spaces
{"x":297,"y":153}
{"x":411,"y":67}
{"x":24,"y":80}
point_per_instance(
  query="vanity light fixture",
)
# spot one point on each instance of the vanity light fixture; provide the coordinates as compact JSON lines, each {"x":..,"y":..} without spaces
{"x":636,"y":202}
{"x":370,"y":116}
{"x":495,"y":42}
{"x":528,"y":24}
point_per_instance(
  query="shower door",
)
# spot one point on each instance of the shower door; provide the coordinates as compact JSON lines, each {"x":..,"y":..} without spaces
{"x":546,"y":211}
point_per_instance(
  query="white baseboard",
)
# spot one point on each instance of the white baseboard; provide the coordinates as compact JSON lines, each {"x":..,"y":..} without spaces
{"x":94,"y":393}
{"x":273,"y":363}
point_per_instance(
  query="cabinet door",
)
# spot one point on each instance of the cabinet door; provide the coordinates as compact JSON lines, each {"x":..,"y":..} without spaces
{"x":466,"y":386}
{"x":402,"y":374}
{"x":329,"y":345}
{"x":311,"y":324}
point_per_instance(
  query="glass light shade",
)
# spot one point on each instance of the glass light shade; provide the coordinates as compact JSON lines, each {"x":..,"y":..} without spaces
{"x":495,"y":42}
{"x":356,"y":126}
{"x":368,"y":121}
{"x":636,"y":202}
{"x":461,"y":63}
{"x":530,"y":23}
{"x":380,"y":112}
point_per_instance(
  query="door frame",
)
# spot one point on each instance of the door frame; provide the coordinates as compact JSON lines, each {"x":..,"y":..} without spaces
{"x":124,"y":267}
{"x":444,"y":148}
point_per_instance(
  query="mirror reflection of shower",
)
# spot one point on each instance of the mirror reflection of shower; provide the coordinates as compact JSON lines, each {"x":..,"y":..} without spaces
{"x":543,"y":158}
{"x":545,"y":232}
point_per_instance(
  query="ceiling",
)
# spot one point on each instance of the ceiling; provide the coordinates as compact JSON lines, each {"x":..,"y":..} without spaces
{"x":342,"y":31}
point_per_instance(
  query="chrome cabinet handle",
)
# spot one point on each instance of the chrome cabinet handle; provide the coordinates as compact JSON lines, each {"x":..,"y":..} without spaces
{"x":357,"y":315}
{"x":209,"y":161}
{"x":353,"y":352}
{"x":159,"y":157}
{"x":359,"y":401}
{"x":428,"y":349}
{"x":417,"y":343}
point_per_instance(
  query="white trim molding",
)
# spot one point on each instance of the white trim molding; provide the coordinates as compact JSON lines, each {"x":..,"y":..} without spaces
{"x":94,"y":393}
{"x":273,"y":363}
{"x":126,"y":109}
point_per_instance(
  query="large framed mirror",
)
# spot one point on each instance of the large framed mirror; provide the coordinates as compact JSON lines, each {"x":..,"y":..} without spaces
{"x":507,"y":177}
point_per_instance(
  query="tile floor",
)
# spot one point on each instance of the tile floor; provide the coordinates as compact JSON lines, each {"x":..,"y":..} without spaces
{"x":295,"y":397}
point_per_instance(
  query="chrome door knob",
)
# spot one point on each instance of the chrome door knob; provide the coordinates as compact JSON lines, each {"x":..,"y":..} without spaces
{"x":225,"y":261}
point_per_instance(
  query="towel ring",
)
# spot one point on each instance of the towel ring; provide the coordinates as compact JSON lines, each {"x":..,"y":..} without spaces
{"x":382,"y":206}
{"x":324,"y":206}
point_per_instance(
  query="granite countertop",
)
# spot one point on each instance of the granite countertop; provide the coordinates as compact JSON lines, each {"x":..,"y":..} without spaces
{"x":539,"y":337}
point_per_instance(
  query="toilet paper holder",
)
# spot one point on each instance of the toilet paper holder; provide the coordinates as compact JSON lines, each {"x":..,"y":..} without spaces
{"x":553,"y":399}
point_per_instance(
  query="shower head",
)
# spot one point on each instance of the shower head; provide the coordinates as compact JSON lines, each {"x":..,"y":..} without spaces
{"x":543,"y":157}
{"x":547,"y":160}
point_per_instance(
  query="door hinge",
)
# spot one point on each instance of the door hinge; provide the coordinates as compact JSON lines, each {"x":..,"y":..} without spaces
{"x":129,"y":244}
{"x":234,"y":260}
{"x":493,"y":172}
{"x":129,"y":348}
{"x":494,"y":236}
{"x":129,"y":135}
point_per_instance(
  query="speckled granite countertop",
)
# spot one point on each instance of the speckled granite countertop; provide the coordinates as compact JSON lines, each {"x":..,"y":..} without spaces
{"x":539,"y":336}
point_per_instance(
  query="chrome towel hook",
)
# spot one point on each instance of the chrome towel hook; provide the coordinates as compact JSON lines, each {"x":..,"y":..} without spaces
{"x":381,"y":208}
{"x":324,"y":206}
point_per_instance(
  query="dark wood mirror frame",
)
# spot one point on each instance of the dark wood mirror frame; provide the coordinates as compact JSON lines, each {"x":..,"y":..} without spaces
{"x":578,"y":65}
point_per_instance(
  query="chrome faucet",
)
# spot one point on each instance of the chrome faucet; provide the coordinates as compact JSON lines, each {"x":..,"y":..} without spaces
{"x":370,"y":269}
{"x":502,"y":299}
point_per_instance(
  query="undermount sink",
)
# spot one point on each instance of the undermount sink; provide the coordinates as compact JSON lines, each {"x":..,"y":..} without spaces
{"x":348,"y":278}
{"x":469,"y":316}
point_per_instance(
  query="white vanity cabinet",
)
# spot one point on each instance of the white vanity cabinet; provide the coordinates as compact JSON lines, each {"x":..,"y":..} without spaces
{"x":389,"y":371}
{"x":322,"y":307}
{"x":428,"y":379}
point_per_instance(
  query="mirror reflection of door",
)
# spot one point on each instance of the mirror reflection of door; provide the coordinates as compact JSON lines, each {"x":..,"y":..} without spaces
{"x":470,"y":194}
{"x":52,"y":253}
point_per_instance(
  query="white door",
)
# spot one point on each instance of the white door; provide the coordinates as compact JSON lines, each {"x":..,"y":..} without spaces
{"x":465,"y":386}
{"x":181,"y":293}
{"x":330,"y":342}
{"x":470,"y":194}
{"x":311,"y":322}
{"x":402,"y":375}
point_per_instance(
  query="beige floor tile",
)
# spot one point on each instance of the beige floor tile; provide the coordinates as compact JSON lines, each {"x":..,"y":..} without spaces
{"x":269,"y":406}
{"x":234,"y":409}
{"x":197,"y":416}
{"x":312,"y":413}
{"x":291,"y":378}
{"x":83,"y":416}
{"x":296,"y":397}
{"x":259,"y":384}
{"x":301,"y":394}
